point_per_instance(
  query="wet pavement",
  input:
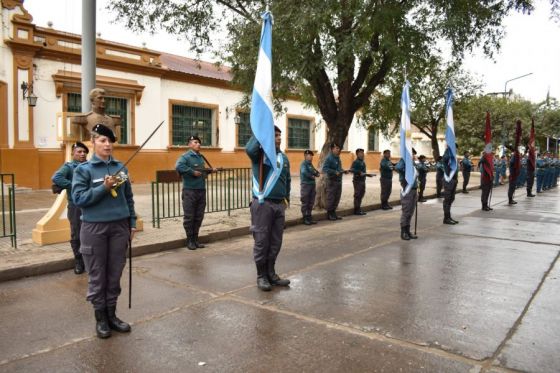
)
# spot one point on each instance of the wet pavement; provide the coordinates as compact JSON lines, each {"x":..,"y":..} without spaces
{"x":481,"y":296}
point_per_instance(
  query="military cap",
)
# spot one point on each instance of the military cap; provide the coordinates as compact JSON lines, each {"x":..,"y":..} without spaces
{"x":307,"y":152}
{"x":80,"y":145}
{"x":413,"y":151}
{"x":102,"y":130}
{"x":194,"y":137}
{"x":334,"y":144}
{"x":277,"y":129}
{"x":359,"y":150}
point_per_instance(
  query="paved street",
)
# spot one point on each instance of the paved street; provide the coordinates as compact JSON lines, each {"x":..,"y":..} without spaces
{"x":481,"y":296}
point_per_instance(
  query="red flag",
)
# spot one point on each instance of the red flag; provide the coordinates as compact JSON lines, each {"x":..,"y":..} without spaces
{"x":531,"y":165}
{"x":514,"y":173}
{"x":488,"y":156}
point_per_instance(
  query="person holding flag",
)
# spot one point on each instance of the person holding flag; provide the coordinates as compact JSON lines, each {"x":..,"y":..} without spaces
{"x":449,"y":162}
{"x":487,"y":167}
{"x":531,"y":161}
{"x":406,"y":169}
{"x":271,"y":170}
{"x":514,"y":165}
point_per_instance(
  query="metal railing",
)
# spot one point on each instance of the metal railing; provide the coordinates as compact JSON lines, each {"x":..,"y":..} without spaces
{"x":8,"y":218}
{"x":229,"y":189}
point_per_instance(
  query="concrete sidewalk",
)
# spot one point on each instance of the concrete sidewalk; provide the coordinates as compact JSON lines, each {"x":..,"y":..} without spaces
{"x":30,"y":259}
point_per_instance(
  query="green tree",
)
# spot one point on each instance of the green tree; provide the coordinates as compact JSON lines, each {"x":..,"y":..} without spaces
{"x":334,"y":53}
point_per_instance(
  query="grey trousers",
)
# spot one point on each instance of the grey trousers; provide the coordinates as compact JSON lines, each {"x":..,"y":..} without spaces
{"x":359,"y":192}
{"x":194,"y":204}
{"x":530,"y":181}
{"x":511,"y":189}
{"x":408,"y":204}
{"x":386,"y":188}
{"x":267,"y":226}
{"x":486,"y":187}
{"x":421,"y":187}
{"x":466,"y":178}
{"x":104,"y":251}
{"x":75,"y":218}
{"x":439,"y":184}
{"x":334,"y":190}
{"x":308,"y":193}
{"x":449,"y":189}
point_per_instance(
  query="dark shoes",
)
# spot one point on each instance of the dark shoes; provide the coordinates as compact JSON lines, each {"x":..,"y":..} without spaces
{"x":386,"y":207}
{"x":115,"y":323}
{"x":359,"y":212}
{"x":512,"y":202}
{"x":331,"y":215}
{"x":277,"y":281}
{"x":191,"y":243}
{"x":102,"y":324}
{"x":79,"y":266}
{"x":197,"y":243}
{"x":410,"y":234}
{"x":465,"y":191}
{"x":404,"y":234}
{"x":307,"y":220}
{"x":422,"y":199}
{"x":487,"y":208}
{"x":530,"y":195}
{"x":263,"y":284}
{"x":449,"y":221}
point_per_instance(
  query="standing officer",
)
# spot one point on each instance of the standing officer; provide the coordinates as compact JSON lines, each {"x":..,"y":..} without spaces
{"x":497,"y":171}
{"x":466,"y":168}
{"x":333,"y":168}
{"x":530,"y":177}
{"x":408,"y":202}
{"x":268,"y":217}
{"x":440,"y":169}
{"x":63,"y":179}
{"x":540,"y":172}
{"x":307,"y":175}
{"x":486,"y":182}
{"x":513,"y":176}
{"x":449,"y":188}
{"x":386,"y":180}
{"x":503,"y":169}
{"x":108,"y":224}
{"x":358,"y":169}
{"x":190,"y":166}
{"x":422,"y":169}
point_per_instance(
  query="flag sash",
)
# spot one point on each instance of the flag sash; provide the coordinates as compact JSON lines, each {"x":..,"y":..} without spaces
{"x":406,"y":141}
{"x":488,"y":153}
{"x":450,"y":136}
{"x":270,"y":180}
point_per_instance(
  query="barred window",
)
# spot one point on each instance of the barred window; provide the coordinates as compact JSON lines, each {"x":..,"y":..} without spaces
{"x":299,"y":133}
{"x":243,"y":129}
{"x":373,"y":140}
{"x":113,"y":106}
{"x":190,"y":120}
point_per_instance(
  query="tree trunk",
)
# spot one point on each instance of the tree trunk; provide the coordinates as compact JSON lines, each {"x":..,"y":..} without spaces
{"x":435,"y":145}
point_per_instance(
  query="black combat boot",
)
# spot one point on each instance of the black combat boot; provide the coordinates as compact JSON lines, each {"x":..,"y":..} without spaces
{"x":114,"y":322}
{"x":262,"y":277}
{"x":410,"y":234}
{"x":331,"y":215}
{"x":449,"y":221}
{"x":359,"y":211}
{"x":306,"y":220}
{"x":454,"y":221}
{"x":404,"y":234}
{"x":274,"y":278}
{"x":512,"y":202}
{"x":191,"y":244}
{"x":79,"y":266}
{"x":197,"y":243}
{"x":311,"y":221}
{"x":102,"y":324}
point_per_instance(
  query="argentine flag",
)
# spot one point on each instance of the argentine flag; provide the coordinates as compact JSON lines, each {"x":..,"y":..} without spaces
{"x":262,"y":119}
{"x":406,"y":141}
{"x":450,"y":135}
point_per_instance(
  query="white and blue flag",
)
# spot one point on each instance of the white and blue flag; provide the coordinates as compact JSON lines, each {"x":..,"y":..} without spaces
{"x":406,"y":140}
{"x":262,"y":118}
{"x":450,"y":135}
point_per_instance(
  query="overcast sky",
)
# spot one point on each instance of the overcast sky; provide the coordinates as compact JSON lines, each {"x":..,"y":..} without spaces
{"x":531,"y":45}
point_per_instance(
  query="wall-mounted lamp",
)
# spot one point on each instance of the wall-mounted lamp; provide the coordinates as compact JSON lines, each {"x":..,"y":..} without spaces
{"x":28,"y":89}
{"x":237,"y":119}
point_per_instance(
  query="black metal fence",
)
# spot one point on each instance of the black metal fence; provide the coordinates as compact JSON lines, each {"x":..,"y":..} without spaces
{"x":229,"y":189}
{"x":8,"y":218}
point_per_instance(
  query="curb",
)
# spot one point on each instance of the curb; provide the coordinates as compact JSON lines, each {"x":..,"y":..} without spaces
{"x":59,"y":265}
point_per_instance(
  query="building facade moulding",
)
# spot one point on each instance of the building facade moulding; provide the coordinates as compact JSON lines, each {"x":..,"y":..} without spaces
{"x":66,"y":81}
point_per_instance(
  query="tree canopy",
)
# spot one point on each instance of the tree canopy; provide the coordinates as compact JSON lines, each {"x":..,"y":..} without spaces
{"x":335,"y":54}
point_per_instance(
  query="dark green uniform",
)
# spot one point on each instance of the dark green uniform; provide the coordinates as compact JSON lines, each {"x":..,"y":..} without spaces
{"x":333,"y":168}
{"x":358,"y":169}
{"x":307,"y":175}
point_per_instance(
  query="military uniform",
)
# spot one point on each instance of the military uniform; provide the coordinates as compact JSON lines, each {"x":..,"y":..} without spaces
{"x":497,"y":172}
{"x":307,"y":174}
{"x":466,"y":168}
{"x":540,"y":173}
{"x":449,"y":189}
{"x":440,"y":169}
{"x":422,"y":169}
{"x":386,"y":181}
{"x":193,"y":195}
{"x":332,"y":166}
{"x":268,"y":217}
{"x":530,"y":178}
{"x":358,"y":169}
{"x":522,"y":174}
{"x":485,"y":184}
{"x":408,"y":201}
{"x":513,"y":175}
{"x":63,"y":179}
{"x":105,"y":233}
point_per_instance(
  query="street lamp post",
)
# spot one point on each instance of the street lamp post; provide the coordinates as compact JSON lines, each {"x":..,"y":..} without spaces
{"x":512,"y":79}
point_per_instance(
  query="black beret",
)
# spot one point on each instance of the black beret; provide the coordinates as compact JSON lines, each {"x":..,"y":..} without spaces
{"x":102,"y":130}
{"x":308,"y":152}
{"x":333,"y":144}
{"x":413,"y":151}
{"x":194,"y":137}
{"x":359,"y":150}
{"x":80,"y":145}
